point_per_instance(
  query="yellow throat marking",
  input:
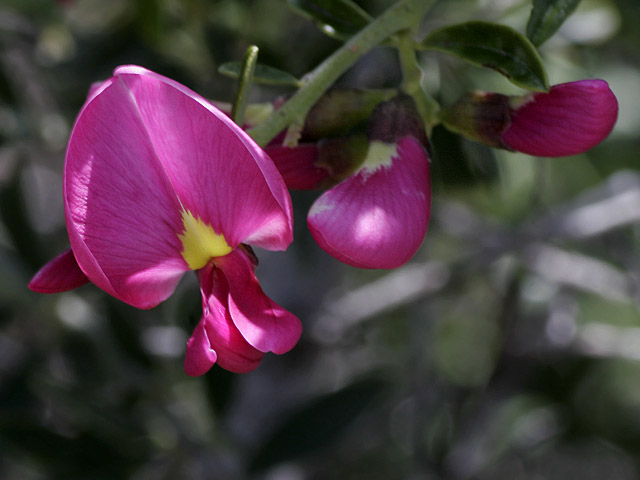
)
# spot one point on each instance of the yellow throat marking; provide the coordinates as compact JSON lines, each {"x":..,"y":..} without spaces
{"x":199,"y":242}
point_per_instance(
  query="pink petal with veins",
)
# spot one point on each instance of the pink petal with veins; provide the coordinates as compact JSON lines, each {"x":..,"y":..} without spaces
{"x":570,"y":119}
{"x":376,"y":219}
{"x":263,"y":323}
{"x":144,"y":148}
{"x":216,"y":338}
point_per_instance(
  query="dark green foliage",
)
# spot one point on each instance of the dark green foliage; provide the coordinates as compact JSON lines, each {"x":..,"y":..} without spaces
{"x":493,"y":46}
{"x":466,"y":375}
{"x":547,"y":16}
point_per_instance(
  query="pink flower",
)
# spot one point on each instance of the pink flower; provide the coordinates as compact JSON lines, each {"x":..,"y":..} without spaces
{"x":157,"y":182}
{"x":377,"y":215}
{"x":570,"y":118}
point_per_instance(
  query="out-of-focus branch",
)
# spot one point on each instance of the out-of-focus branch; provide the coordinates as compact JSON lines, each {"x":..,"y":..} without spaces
{"x":612,"y":205}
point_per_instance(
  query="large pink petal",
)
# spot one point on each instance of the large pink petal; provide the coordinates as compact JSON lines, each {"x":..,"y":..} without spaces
{"x":376,"y":219}
{"x":123,"y":216}
{"x":216,"y":338}
{"x":219,"y":173}
{"x":263,"y":323}
{"x":143,"y":148}
{"x":59,"y":275}
{"x":570,"y":119}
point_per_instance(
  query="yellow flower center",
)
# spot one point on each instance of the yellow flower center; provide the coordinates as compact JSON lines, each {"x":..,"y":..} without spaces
{"x":199,"y":242}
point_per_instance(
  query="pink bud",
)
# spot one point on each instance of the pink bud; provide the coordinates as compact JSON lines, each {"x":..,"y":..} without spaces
{"x":570,"y":119}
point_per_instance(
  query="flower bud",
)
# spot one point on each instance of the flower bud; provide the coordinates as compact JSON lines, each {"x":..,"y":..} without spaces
{"x":396,"y":119}
{"x":341,"y":110}
{"x":479,"y":116}
{"x":570,"y":118}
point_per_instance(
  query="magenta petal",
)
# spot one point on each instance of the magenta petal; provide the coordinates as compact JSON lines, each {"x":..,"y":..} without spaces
{"x":233,"y":352}
{"x":570,"y":119}
{"x":123,"y":216}
{"x":296,"y":165}
{"x":59,"y":275}
{"x":214,"y":167}
{"x":143,"y":149}
{"x":199,"y":357}
{"x":376,"y":219}
{"x":263,"y":323}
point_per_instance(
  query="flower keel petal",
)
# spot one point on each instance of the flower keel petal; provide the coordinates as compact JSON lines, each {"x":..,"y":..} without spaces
{"x":263,"y":323}
{"x":200,"y":357}
{"x":234,"y":353}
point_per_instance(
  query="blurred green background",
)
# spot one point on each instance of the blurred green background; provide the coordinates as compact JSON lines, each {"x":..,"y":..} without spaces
{"x":509,"y":348}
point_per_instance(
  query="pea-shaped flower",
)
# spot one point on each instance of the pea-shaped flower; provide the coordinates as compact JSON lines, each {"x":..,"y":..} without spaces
{"x":157,"y":182}
{"x":376,"y":211}
{"x":570,"y":118}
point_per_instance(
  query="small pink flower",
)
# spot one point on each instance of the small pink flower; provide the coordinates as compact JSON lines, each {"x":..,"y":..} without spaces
{"x":570,"y":118}
{"x":157,"y":182}
{"x":377,"y":215}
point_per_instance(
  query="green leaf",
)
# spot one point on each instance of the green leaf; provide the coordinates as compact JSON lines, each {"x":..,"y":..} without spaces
{"x":493,"y":46}
{"x":317,"y":424}
{"x":337,"y":18}
{"x":546,"y":18}
{"x":263,"y":74}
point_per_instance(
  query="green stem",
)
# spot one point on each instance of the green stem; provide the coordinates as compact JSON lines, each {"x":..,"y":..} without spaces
{"x":401,"y":16}
{"x":412,"y":80}
{"x":244,"y":84}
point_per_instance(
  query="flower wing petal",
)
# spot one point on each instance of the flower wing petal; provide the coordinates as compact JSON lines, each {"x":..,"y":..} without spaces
{"x":296,"y":165}
{"x":219,"y":173}
{"x":59,"y":275}
{"x":376,"y":219}
{"x":263,"y":323}
{"x":570,"y":119}
{"x":122,"y":212}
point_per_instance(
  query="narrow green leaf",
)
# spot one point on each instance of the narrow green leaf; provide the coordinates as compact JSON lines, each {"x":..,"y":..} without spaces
{"x":337,"y":18}
{"x":546,"y":18}
{"x":493,"y":46}
{"x":262,"y":74}
{"x":245,"y":80}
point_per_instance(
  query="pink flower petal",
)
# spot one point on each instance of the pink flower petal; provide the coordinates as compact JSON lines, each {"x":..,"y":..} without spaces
{"x":376,"y":219}
{"x":216,"y":338}
{"x":199,"y":357}
{"x":143,"y":149}
{"x":262,"y":322}
{"x":215,"y":168}
{"x":122,"y":212}
{"x":570,"y":119}
{"x":296,"y":165}
{"x":59,"y":275}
